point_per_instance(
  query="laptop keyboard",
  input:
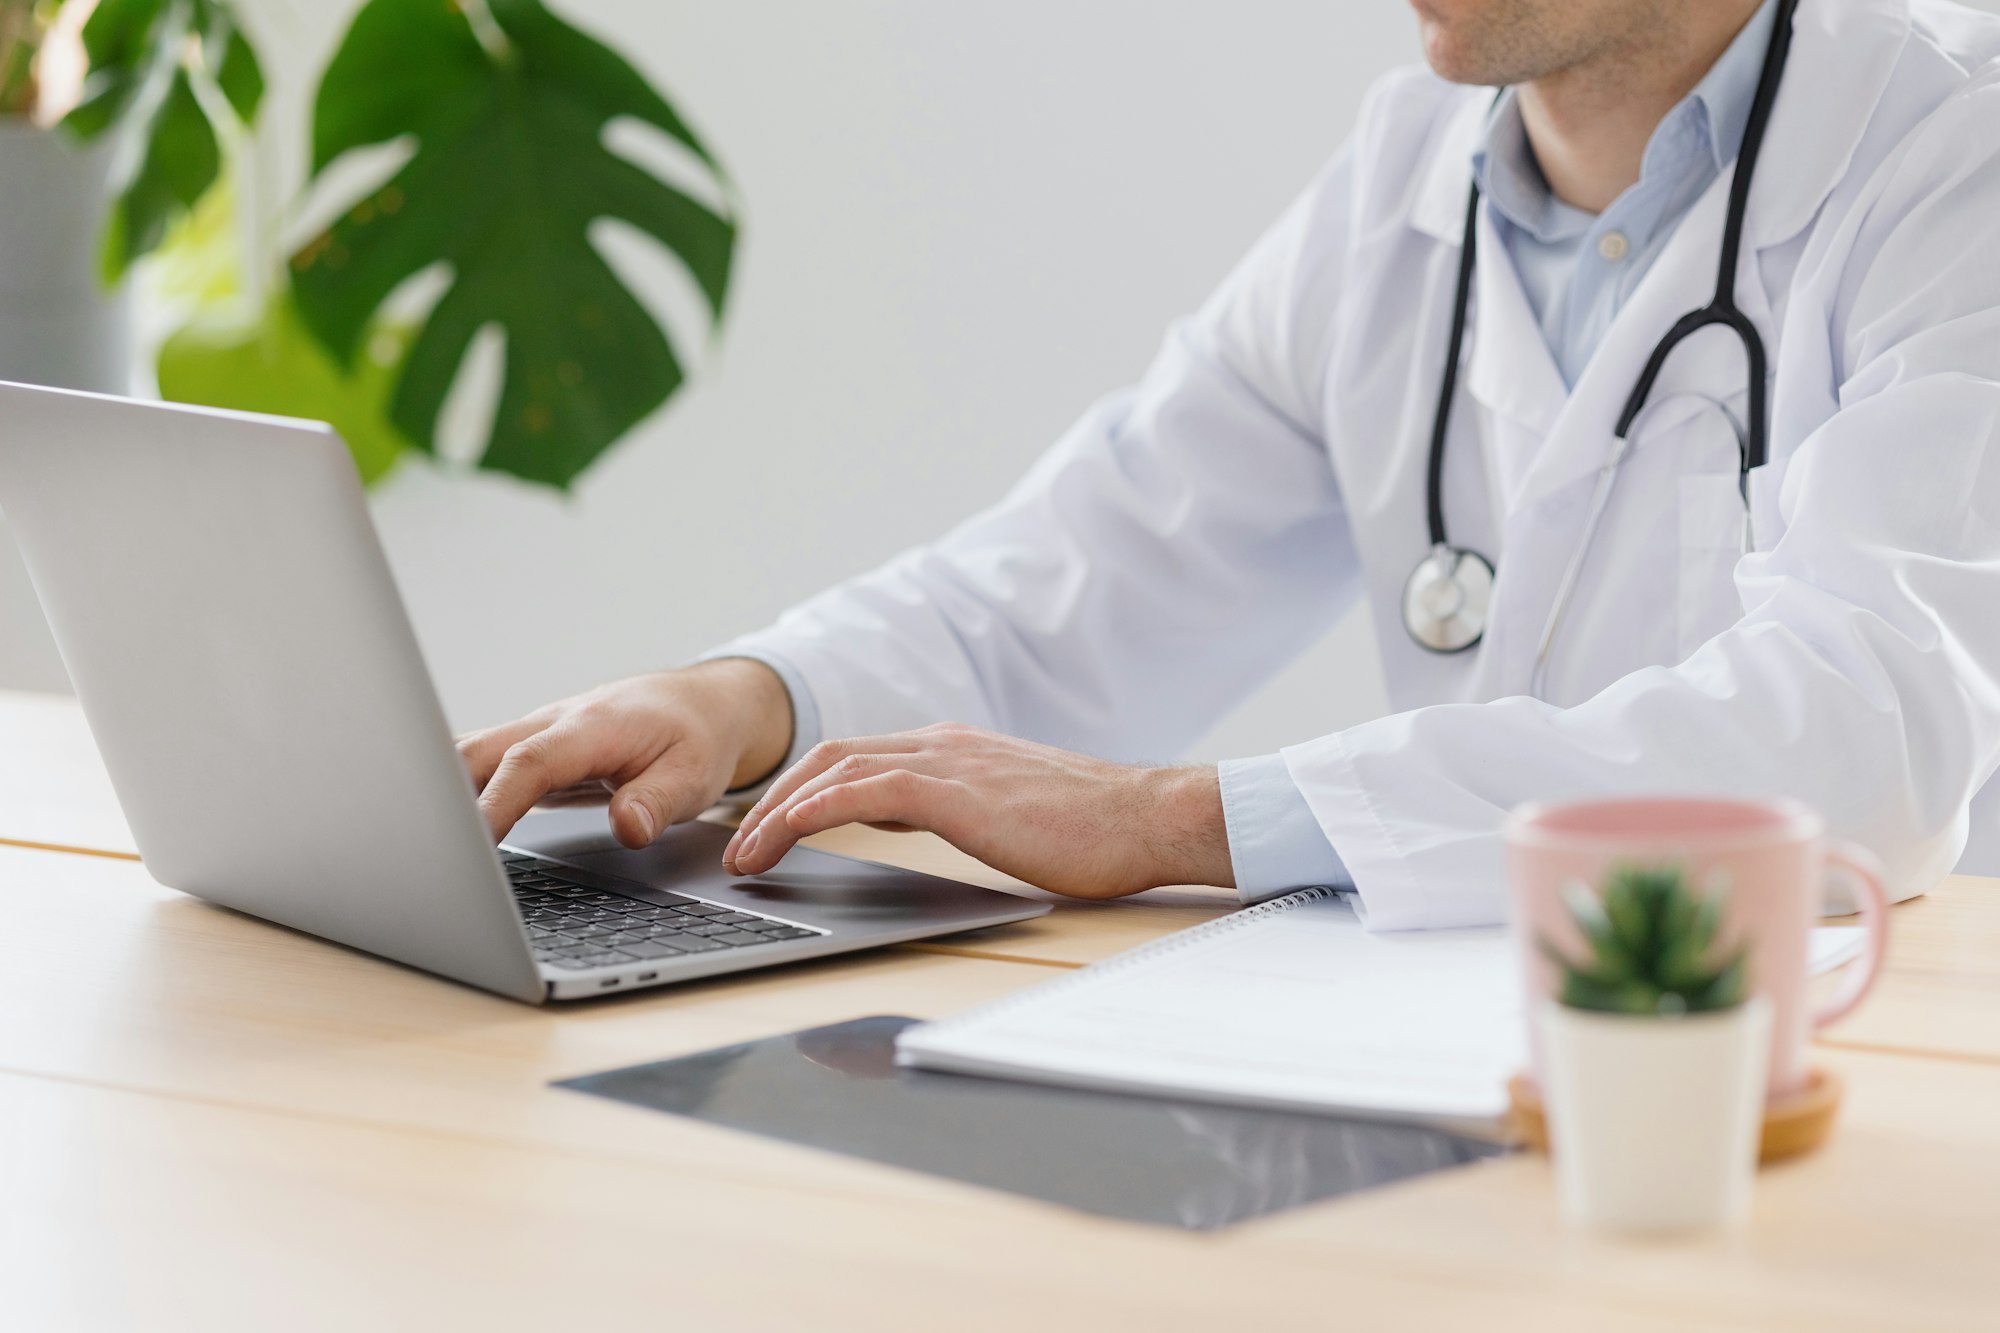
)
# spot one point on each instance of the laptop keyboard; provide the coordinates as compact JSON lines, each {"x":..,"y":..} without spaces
{"x":575,"y":927}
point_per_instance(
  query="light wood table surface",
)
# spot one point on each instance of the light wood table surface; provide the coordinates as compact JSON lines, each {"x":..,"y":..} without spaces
{"x":53,"y":788}
{"x":212,"y":1123}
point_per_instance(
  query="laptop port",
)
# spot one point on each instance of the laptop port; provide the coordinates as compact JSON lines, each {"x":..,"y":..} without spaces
{"x":649,"y":976}
{"x":608,"y":982}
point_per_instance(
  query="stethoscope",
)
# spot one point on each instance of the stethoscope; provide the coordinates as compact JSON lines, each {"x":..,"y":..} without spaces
{"x":1446,"y":600}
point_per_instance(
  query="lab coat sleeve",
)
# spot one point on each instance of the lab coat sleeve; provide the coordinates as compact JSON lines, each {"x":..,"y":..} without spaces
{"x":1864,"y":674}
{"x":1182,"y":542}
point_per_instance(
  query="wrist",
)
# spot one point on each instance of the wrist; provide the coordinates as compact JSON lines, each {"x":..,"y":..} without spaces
{"x":754,"y":708}
{"x":1192,"y":835}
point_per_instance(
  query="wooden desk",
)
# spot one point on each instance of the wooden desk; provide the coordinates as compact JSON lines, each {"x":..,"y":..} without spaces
{"x":213,"y":1123}
{"x":226,"y":1115}
{"x":139,"y":1211}
{"x":53,"y":789}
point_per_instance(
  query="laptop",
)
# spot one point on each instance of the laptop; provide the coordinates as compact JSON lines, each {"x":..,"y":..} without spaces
{"x":233,"y":632}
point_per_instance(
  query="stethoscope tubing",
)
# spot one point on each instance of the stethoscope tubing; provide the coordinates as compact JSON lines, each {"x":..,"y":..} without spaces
{"x":1448,"y":386}
{"x":1752,"y":444}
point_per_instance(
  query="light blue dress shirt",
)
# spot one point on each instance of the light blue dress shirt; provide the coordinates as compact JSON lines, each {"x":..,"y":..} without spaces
{"x":1577,"y":270}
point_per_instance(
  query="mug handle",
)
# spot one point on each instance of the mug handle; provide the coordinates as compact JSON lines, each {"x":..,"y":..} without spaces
{"x":1859,"y":866}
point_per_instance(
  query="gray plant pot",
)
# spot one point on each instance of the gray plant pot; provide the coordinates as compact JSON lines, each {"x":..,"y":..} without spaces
{"x":57,"y":325}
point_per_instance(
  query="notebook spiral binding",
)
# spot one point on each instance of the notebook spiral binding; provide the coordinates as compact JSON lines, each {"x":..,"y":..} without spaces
{"x":1145,"y":953}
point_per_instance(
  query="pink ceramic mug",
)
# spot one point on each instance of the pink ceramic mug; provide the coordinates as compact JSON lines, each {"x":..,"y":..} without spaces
{"x":1771,"y":859}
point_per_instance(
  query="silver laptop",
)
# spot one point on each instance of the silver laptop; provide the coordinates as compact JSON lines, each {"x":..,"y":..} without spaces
{"x":247,"y":668}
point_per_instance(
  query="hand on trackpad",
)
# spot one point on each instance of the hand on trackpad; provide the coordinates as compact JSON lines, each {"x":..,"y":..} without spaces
{"x":816,"y":887}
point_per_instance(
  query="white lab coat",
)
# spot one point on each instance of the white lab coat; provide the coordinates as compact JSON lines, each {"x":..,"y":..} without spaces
{"x":1189,"y":536}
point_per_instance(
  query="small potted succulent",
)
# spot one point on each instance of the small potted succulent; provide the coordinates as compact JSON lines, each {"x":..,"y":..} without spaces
{"x":1654,"y":1057}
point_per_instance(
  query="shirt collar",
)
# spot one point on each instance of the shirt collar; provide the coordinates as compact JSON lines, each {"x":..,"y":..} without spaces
{"x":1711,"y":118}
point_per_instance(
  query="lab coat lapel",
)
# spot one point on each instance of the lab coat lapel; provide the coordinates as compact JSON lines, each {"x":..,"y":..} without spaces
{"x":1843,"y":55}
{"x":1509,"y":370}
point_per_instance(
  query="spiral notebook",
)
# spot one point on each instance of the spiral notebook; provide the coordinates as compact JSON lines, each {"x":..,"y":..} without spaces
{"x":1293,"y":1004}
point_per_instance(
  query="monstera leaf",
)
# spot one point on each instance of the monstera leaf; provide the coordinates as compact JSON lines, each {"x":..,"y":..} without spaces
{"x":504,"y":112}
{"x":179,"y":70}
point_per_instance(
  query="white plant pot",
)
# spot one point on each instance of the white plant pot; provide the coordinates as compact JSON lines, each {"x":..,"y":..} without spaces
{"x":1654,"y":1122}
{"x":57,"y":325}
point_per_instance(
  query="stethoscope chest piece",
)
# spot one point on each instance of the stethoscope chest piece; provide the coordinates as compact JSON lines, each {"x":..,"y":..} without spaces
{"x":1446,"y":600}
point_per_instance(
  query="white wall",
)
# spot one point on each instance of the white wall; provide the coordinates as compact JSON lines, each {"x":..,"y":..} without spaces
{"x":965,"y":222}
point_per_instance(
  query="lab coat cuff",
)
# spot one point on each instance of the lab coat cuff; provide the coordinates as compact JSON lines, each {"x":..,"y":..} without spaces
{"x":1275,"y":844}
{"x":805,"y":714}
{"x":1379,"y":845}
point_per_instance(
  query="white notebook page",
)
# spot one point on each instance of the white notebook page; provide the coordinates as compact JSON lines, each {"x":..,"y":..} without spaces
{"x":1292,"y":1004}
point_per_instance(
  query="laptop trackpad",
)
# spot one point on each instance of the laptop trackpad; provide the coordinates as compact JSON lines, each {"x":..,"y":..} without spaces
{"x":809,"y":885}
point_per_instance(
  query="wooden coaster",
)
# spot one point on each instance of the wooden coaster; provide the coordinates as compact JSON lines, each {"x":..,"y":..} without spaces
{"x":1794,"y":1124}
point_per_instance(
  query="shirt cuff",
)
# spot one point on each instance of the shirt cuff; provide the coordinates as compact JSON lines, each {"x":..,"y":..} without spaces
{"x":805,"y":715}
{"x":1275,"y":842}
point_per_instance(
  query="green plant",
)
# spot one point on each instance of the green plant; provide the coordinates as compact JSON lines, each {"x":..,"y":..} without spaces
{"x":495,"y":115}
{"x":509,"y":172}
{"x":23,"y":24}
{"x":183,"y":77}
{"x":1652,"y":947}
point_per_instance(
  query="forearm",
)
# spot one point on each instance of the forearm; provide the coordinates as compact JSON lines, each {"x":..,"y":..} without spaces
{"x":1192,"y":837}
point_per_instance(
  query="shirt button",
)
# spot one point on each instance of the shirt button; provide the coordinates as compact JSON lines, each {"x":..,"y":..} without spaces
{"x":1613,"y":245}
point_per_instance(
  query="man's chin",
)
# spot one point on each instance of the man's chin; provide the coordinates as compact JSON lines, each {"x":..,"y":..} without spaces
{"x":1452,"y":59}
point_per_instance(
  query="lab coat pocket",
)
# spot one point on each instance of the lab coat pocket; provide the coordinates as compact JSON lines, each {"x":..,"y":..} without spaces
{"x":1712,"y":517}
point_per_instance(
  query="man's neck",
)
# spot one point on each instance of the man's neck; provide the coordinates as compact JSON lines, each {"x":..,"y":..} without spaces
{"x":1589,"y":124}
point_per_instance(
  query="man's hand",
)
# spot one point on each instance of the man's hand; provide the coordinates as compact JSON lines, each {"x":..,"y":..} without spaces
{"x":669,"y":744}
{"x":1061,"y":821}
